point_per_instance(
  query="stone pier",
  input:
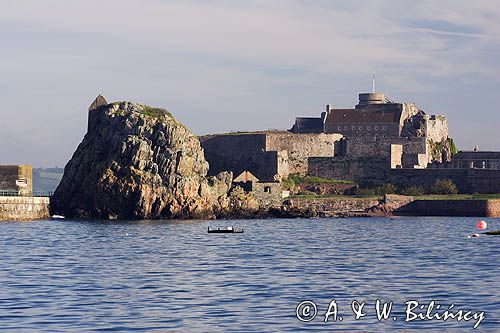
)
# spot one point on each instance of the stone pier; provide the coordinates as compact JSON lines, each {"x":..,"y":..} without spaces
{"x":18,"y":208}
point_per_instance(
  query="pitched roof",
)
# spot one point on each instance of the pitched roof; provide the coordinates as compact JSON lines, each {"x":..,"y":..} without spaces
{"x":308,"y":125}
{"x":477,"y":155}
{"x":98,"y":101}
{"x":373,"y":114}
{"x":245,"y":176}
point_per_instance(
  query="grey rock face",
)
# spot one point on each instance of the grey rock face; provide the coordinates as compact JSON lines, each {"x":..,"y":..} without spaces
{"x":139,"y":162}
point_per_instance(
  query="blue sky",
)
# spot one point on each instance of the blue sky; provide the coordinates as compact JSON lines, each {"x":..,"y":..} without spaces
{"x":221,"y":66}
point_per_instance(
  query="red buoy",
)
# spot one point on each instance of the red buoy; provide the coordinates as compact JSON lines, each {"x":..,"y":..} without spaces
{"x":481,"y":225}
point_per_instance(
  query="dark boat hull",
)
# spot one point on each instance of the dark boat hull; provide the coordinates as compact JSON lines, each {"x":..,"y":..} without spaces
{"x":225,"y":231}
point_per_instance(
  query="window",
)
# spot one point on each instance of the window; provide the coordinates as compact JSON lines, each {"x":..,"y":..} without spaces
{"x":267,"y":189}
{"x":22,"y":182}
{"x":384,"y":128}
{"x":484,"y":165}
{"x":376,"y":128}
{"x":345,"y":128}
{"x":339,"y":128}
{"x":368,"y":127}
{"x":353,"y":128}
{"x":360,"y":128}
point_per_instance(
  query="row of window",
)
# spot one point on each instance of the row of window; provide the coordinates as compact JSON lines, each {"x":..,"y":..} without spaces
{"x":475,"y":164}
{"x":360,"y":128}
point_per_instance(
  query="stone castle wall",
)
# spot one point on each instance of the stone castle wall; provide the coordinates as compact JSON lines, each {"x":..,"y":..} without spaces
{"x":361,"y":169}
{"x":302,"y":146}
{"x":265,"y":154}
{"x":466,"y":180}
{"x":437,"y":128}
{"x":237,"y":153}
{"x":23,"y":208}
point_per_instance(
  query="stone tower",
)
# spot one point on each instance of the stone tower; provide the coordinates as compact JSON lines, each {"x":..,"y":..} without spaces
{"x":98,"y":102}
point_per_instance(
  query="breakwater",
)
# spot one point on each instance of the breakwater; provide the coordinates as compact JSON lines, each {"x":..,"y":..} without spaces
{"x":18,"y":208}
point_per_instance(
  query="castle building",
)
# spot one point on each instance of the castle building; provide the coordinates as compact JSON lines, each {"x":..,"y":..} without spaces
{"x":375,"y":116}
{"x":16,"y":179}
{"x":99,"y":101}
{"x":476,"y":159}
{"x":358,"y":144}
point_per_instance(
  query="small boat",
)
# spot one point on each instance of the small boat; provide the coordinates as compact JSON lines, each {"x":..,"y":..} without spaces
{"x":228,"y":230}
{"x":58,"y":217}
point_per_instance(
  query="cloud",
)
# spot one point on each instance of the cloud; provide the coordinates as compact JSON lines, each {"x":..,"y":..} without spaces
{"x":226,"y":65}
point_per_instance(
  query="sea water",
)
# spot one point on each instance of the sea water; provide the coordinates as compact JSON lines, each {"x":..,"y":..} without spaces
{"x":172,"y":276}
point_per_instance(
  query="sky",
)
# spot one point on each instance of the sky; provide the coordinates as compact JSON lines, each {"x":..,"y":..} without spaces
{"x":222,"y":66}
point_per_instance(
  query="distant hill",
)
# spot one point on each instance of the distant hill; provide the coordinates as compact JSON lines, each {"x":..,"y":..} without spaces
{"x":46,"y":179}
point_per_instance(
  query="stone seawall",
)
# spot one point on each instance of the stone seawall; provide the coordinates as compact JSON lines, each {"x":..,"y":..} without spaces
{"x":480,"y":208}
{"x":23,"y":208}
{"x":467,"y":180}
{"x":332,"y":206}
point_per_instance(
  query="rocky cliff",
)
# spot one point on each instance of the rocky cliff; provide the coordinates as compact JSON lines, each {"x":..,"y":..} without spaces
{"x":139,"y":162}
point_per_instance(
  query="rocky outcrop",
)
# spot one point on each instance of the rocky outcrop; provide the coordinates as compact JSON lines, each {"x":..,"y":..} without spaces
{"x":139,"y":162}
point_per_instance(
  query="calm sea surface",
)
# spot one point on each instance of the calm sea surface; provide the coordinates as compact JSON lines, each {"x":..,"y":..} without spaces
{"x":62,"y":276}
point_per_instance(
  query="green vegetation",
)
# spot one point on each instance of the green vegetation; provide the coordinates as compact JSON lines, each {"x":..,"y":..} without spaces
{"x":156,"y":112}
{"x":387,"y":188}
{"x":288,"y":184}
{"x":440,"y":187}
{"x":297,"y":179}
{"x":413,"y":191}
{"x":453,"y":147}
{"x":339,"y":197}
{"x":161,"y":114}
{"x":444,"y":186}
{"x":458,"y":197}
{"x":438,"y":147}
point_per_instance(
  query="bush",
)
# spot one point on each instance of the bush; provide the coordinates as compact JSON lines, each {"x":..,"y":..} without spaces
{"x":385,"y":189}
{"x":288,"y":184}
{"x":413,"y":191}
{"x":444,"y":186}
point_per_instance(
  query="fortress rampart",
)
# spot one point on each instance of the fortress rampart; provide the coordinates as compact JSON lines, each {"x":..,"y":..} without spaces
{"x":266,"y":154}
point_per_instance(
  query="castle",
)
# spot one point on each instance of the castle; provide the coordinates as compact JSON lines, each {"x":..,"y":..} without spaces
{"x":356,"y":144}
{"x":378,"y":141}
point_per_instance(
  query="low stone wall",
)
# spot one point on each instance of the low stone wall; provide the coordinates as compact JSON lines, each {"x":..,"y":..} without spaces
{"x":395,"y":201}
{"x":332,"y":206}
{"x":23,"y":208}
{"x":480,"y":208}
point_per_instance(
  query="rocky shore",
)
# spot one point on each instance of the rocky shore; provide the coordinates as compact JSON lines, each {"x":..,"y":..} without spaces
{"x":138,"y":162}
